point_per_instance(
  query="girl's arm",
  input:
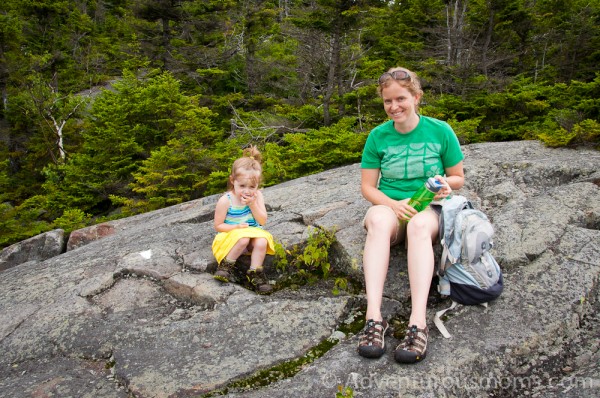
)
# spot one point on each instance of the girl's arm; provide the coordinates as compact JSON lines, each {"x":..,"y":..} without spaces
{"x":221,"y":213}
{"x":257,"y":207}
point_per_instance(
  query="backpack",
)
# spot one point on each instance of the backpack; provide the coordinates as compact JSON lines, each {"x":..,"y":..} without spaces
{"x":467,"y":272}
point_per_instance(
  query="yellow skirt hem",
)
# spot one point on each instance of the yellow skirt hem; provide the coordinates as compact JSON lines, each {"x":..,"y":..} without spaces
{"x":225,"y":241}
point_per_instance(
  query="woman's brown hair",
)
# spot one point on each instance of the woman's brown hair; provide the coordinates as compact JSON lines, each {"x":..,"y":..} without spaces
{"x":412,"y":83}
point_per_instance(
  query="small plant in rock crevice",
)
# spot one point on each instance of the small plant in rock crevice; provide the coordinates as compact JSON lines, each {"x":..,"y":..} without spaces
{"x":344,"y":392}
{"x":309,"y":262}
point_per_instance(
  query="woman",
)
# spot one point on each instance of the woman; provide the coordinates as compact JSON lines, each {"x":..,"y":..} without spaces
{"x":398,"y":157}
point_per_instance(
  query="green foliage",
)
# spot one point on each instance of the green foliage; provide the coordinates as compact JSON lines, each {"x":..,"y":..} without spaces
{"x":340,"y":284}
{"x":313,"y":152}
{"x":344,"y":392}
{"x":588,"y":131}
{"x":124,"y":127}
{"x":214,"y":76}
{"x":72,"y":219}
{"x":560,"y":132}
{"x":306,"y":263}
{"x":178,"y":171}
{"x":174,"y":173}
{"x":5,"y":182}
{"x":23,"y":221}
{"x":466,"y":130}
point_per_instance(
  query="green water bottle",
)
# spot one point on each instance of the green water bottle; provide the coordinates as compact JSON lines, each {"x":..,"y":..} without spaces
{"x":425,"y":194}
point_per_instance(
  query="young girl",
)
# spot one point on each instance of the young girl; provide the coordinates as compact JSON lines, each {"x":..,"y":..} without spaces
{"x":239,"y":217}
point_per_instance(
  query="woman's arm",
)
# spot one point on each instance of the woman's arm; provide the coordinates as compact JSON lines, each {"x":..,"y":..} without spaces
{"x":455,"y":179}
{"x":455,"y":176}
{"x":368,"y":187}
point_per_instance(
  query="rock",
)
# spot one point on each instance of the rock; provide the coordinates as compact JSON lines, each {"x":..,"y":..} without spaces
{"x":37,"y":248}
{"x":130,"y":309}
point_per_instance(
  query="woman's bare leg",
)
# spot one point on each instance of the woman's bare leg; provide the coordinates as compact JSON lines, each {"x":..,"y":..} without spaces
{"x":421,"y":232}
{"x":382,"y":225}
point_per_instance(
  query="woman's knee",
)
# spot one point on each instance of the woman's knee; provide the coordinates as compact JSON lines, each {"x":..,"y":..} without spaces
{"x":380,"y":220}
{"x":424,"y":225}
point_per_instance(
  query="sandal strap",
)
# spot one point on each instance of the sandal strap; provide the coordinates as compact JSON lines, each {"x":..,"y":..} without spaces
{"x":415,"y":340}
{"x":373,"y":333}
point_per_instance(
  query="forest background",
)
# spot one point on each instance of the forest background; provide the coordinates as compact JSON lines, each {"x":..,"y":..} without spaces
{"x":188,"y":83}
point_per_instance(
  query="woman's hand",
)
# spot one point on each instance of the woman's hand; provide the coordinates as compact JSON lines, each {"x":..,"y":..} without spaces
{"x":403,"y":210}
{"x":444,"y":191}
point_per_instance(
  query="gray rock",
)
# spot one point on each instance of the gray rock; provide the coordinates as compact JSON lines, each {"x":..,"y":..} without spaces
{"x":130,"y":309}
{"x":37,"y":248}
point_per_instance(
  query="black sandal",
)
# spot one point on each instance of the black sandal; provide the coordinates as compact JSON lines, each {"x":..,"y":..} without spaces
{"x":414,"y":346}
{"x":372,"y":342}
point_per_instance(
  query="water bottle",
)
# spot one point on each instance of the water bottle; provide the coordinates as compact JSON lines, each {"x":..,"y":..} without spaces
{"x":421,"y":199}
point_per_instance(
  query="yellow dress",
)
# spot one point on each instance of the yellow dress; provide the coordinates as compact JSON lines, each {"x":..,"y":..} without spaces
{"x":224,"y":241}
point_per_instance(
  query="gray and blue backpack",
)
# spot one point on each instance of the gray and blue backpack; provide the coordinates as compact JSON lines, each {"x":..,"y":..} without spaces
{"x":468,"y":273}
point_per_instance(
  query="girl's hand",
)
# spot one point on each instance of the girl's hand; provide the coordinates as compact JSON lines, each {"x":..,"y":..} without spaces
{"x":242,"y":225}
{"x":248,"y":199}
{"x":403,"y":210}
{"x":444,"y":191}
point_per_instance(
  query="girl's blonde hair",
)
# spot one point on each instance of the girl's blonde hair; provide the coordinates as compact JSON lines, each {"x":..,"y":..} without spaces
{"x":248,"y":164}
{"x":412,"y":84}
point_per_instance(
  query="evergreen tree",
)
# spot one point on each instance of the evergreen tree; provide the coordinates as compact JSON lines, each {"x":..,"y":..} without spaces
{"x":124,"y":126}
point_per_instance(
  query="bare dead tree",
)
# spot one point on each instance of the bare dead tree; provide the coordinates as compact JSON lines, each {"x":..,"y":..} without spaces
{"x":259,"y":131}
{"x":55,"y":111}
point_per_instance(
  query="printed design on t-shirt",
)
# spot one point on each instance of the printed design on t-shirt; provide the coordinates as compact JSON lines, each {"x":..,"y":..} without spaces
{"x":411,"y":161}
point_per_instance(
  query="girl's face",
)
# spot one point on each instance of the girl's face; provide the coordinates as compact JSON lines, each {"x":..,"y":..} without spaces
{"x":399,"y":103}
{"x":245,"y":185}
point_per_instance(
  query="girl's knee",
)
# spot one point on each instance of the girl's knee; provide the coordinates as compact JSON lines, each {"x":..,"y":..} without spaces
{"x":259,"y":243}
{"x":243,"y":242}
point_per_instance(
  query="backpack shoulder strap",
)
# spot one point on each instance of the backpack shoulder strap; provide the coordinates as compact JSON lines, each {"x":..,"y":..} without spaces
{"x":450,"y":209}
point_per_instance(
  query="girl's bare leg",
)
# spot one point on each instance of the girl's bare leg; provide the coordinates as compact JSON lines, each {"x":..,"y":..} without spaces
{"x":237,"y":250}
{"x":259,"y":251}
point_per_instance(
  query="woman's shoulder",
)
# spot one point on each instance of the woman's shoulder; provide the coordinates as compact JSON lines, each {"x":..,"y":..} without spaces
{"x":433,"y":121}
{"x":383,"y":127}
{"x":381,"y":130}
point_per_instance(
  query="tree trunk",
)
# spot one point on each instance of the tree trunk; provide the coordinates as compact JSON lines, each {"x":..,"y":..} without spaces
{"x":455,"y":26}
{"x":486,"y":45}
{"x":331,"y":74}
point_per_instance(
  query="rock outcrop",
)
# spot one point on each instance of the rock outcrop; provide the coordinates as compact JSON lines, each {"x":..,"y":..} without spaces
{"x":129,"y":308}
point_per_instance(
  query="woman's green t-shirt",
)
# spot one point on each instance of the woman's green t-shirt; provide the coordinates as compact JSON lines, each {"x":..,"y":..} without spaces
{"x":406,"y":161}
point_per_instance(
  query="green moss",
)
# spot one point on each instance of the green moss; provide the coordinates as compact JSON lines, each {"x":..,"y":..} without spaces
{"x":287,"y":369}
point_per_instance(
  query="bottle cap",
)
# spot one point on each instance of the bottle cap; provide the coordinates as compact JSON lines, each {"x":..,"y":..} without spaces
{"x":433,"y":185}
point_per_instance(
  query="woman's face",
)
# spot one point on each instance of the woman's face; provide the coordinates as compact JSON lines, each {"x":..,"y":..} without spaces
{"x":399,"y":104}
